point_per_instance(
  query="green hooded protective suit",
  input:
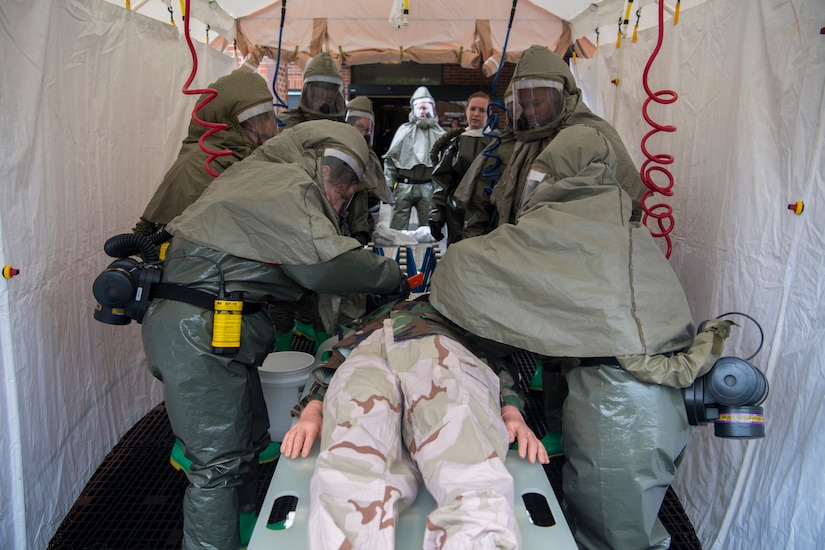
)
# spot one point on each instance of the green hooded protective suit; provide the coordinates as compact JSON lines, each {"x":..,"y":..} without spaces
{"x":539,"y":63}
{"x":575,"y":278}
{"x":266,"y":229}
{"x":187,"y":178}
{"x":321,"y":71}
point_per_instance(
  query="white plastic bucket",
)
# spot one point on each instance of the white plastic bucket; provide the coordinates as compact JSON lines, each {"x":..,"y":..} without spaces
{"x":283,"y":376}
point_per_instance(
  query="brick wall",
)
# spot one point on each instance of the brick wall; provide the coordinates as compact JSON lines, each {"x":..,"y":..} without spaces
{"x":291,"y":77}
{"x":455,"y":75}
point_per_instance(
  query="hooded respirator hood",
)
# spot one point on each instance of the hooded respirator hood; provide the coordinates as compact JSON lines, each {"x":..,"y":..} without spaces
{"x":423,"y":94}
{"x":544,"y":91}
{"x":361,"y":116}
{"x":323,"y":91}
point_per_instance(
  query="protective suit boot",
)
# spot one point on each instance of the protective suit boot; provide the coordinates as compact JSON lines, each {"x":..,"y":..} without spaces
{"x":305,"y":329}
{"x":178,"y":459}
{"x":246,"y":523}
{"x":272,"y":452}
{"x":552,"y":444}
{"x":537,"y":382}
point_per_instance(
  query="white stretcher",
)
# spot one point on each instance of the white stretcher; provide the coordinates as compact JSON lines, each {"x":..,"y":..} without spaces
{"x":541,"y":526}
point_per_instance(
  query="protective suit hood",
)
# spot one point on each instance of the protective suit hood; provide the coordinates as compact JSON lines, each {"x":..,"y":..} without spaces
{"x":187,"y":177}
{"x":538,"y":62}
{"x":574,"y":277}
{"x":237,"y":92}
{"x":271,"y":207}
{"x":360,"y":103}
{"x":322,"y":70}
{"x":413,"y":141}
{"x":422,"y":93}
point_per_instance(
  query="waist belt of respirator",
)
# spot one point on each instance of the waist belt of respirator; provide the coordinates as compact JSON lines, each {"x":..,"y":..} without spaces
{"x":195,"y":297}
{"x":411,"y":181}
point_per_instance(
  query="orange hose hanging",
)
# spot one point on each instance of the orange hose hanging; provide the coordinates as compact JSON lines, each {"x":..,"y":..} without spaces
{"x":661,"y":212}
{"x":211,"y":93}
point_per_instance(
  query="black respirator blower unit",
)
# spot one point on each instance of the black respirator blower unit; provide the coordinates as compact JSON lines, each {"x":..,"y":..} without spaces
{"x":122,"y":290}
{"x":730,"y":395}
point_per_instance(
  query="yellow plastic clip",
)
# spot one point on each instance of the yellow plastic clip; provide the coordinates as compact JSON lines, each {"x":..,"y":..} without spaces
{"x":676,"y":15}
{"x":627,"y":12}
{"x":597,"y":37}
{"x":796,"y":207}
{"x":619,"y":36}
{"x":636,"y":28}
{"x":171,"y":16}
{"x":129,"y":5}
{"x":207,"y":33}
{"x":9,"y":272}
{"x":574,"y":56}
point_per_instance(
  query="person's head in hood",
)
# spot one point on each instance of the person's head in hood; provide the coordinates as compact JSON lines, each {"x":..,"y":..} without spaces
{"x":361,"y":116}
{"x":259,"y":122}
{"x":243,"y":103}
{"x":342,"y":174}
{"x":544,"y":91}
{"x":323,"y":91}
{"x":422,"y":105}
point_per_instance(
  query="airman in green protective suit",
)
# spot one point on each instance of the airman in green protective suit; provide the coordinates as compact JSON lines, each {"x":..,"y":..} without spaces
{"x":575,"y":278}
{"x":268,"y":228}
{"x":244,"y":104}
{"x":360,"y":222}
{"x":322,"y":98}
{"x":322,"y":94}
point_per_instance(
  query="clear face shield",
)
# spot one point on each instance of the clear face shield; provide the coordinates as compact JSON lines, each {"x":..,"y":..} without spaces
{"x":324,"y":95}
{"x":537,"y":102}
{"x":508,"y":108}
{"x":364,"y":122}
{"x":423,"y":108}
{"x":342,"y":175}
{"x":259,"y":122}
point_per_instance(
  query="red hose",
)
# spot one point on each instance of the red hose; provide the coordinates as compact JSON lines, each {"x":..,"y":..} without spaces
{"x":661,"y":212}
{"x":211,"y":94}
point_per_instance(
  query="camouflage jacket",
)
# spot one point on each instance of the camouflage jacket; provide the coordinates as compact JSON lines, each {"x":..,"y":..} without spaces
{"x":411,"y":320}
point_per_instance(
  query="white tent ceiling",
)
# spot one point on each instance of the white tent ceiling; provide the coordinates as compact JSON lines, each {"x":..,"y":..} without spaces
{"x":469,"y":32}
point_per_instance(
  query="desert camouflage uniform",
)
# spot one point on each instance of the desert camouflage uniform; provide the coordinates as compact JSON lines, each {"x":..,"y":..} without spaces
{"x":411,"y":402}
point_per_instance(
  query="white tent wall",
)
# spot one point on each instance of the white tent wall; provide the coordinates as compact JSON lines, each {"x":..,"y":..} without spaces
{"x":91,"y":116}
{"x":750,"y":138}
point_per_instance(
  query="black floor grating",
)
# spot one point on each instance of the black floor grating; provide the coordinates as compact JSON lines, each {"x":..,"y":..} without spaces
{"x":134,"y":499}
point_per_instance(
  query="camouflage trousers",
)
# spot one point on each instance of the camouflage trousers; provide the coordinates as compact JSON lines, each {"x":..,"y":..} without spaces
{"x":399,"y":412}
